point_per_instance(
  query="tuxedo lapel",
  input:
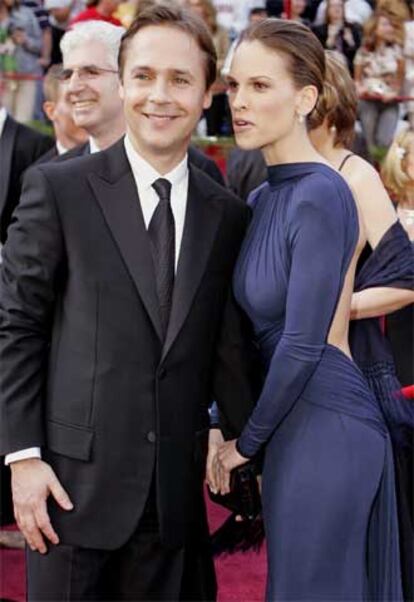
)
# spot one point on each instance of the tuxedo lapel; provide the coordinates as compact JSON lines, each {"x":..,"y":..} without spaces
{"x":6,"y":153}
{"x":116,"y":193}
{"x":201,"y":223}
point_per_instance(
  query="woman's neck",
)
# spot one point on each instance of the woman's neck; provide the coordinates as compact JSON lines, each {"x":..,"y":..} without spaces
{"x":293,"y":148}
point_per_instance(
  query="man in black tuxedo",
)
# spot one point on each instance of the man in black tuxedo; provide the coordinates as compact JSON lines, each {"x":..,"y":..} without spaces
{"x":117,"y":329}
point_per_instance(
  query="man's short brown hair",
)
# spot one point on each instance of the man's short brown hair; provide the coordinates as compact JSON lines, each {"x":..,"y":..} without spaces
{"x":170,"y":15}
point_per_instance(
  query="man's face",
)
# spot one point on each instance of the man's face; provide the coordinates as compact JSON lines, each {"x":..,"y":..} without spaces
{"x":92,"y":94}
{"x":60,"y":113}
{"x":164,"y":90}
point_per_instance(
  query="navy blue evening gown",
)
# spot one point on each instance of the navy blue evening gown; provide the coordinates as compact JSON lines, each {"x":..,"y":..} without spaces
{"x":329,"y":503}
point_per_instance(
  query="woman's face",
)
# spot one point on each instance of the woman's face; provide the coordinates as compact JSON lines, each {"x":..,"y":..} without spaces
{"x":335,"y":11}
{"x":262,"y":96}
{"x":385,"y":31}
{"x":298,"y":6}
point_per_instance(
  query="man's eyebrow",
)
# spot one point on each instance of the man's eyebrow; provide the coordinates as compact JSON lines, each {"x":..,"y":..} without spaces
{"x":185,"y":72}
{"x":182,"y":72}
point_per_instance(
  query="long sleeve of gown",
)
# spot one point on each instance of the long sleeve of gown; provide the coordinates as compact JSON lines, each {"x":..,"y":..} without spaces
{"x":317,"y":249}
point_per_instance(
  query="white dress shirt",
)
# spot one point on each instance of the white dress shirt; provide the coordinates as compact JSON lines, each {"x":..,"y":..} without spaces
{"x":93,"y":147}
{"x":144,"y":176}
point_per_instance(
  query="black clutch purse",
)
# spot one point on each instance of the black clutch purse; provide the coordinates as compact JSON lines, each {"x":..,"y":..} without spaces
{"x":244,"y":496}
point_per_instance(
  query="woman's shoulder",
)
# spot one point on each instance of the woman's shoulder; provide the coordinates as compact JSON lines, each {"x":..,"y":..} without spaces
{"x":324,"y":189}
{"x":322,"y":178}
{"x":359,"y":172}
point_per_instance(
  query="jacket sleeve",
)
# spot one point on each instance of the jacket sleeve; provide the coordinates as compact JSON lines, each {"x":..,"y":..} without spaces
{"x":317,"y":256}
{"x":32,"y":259}
{"x":236,"y":369}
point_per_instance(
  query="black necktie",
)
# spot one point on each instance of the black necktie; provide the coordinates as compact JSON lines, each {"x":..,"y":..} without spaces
{"x":161,"y":231}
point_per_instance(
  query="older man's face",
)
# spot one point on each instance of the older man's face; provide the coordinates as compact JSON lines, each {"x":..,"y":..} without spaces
{"x":91,"y":87}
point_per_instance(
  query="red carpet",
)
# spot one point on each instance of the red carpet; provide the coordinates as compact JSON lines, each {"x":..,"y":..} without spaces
{"x":240,"y":577}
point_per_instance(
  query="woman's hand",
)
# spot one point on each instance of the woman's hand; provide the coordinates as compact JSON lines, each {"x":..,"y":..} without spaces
{"x":226,"y":460}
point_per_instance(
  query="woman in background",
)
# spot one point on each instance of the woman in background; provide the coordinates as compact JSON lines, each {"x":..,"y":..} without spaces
{"x":398,"y":175}
{"x":327,"y":478}
{"x":379,"y":75}
{"x":337,"y":34}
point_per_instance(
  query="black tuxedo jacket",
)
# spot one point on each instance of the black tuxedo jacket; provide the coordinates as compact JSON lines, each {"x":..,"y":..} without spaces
{"x":195,"y":157}
{"x":50,"y":155}
{"x":20,"y":146}
{"x":85,"y":372}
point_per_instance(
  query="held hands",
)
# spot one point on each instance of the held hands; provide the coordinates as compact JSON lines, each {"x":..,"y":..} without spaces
{"x":32,"y":482}
{"x":222,"y":458}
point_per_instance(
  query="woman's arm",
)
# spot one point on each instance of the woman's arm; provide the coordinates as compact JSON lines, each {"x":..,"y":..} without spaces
{"x":316,"y":232}
{"x":379,"y":301}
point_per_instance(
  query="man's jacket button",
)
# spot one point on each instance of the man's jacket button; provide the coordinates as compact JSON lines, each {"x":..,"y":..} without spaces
{"x":151,"y":437}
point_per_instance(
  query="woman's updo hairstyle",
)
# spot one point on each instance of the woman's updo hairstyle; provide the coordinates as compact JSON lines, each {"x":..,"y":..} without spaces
{"x":338,"y":103}
{"x":304,"y":54}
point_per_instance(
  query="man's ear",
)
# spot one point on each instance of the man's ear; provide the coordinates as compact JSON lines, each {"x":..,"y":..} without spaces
{"x":49,"y":109}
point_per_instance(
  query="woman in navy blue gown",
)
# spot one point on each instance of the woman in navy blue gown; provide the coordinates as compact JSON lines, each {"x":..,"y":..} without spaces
{"x":328,"y":483}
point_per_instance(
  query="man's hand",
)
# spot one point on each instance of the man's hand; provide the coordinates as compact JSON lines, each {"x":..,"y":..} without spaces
{"x":215,"y":439}
{"x":227,"y":459}
{"x":32,"y":482}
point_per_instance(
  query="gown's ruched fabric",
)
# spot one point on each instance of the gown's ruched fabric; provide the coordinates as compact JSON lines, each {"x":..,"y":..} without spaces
{"x":328,"y":484}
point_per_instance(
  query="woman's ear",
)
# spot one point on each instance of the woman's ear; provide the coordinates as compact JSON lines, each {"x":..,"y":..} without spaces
{"x":306,"y":100}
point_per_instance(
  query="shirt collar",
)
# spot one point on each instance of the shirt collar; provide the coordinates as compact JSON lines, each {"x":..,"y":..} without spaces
{"x":60,"y":148}
{"x":93,"y":147}
{"x":145,"y":174}
{"x":3,"y":117}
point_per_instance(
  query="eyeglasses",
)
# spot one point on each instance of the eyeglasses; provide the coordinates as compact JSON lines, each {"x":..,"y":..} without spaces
{"x":85,"y":73}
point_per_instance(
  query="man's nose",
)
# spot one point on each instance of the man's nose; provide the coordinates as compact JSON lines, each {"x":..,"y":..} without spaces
{"x":74,"y":83}
{"x":159,"y":92}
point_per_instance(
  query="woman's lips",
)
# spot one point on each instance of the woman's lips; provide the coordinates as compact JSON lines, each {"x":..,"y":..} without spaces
{"x":240,"y":125}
